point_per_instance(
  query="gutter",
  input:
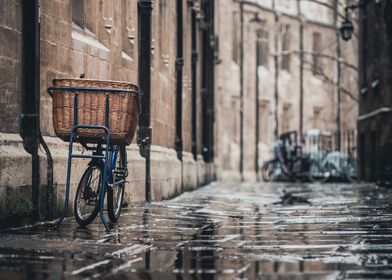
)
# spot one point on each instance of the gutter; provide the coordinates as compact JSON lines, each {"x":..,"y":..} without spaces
{"x":242,"y":90}
{"x":179,"y":68}
{"x":145,"y":131}
{"x":30,"y":119}
{"x":257,"y":95}
{"x":194,"y":59}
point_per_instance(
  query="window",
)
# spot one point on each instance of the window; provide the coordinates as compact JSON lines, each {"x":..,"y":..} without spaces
{"x":317,"y":117}
{"x":78,"y":12}
{"x":364,"y":55}
{"x":235,"y":38}
{"x":128,"y":20}
{"x":164,"y":20}
{"x":234,"y":108}
{"x":286,"y":47}
{"x":286,"y":117}
{"x":85,"y":14}
{"x":91,"y":15}
{"x":316,"y":67}
{"x":264,"y":121}
{"x":331,"y":10}
{"x":262,"y":46}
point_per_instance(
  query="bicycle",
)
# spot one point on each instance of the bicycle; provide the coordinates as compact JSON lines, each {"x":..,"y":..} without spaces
{"x":87,"y":197}
{"x":333,"y":164}
{"x":81,"y":115}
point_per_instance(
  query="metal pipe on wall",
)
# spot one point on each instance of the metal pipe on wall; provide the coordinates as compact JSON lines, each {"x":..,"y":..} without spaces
{"x":338,"y":73}
{"x":301,"y":72}
{"x":30,"y":121}
{"x":144,"y":71}
{"x":257,"y":130}
{"x":30,"y":118}
{"x":242,"y":90}
{"x":276,"y":74}
{"x":212,"y":61}
{"x":179,"y":68}
{"x":194,"y":80}
{"x":207,"y":81}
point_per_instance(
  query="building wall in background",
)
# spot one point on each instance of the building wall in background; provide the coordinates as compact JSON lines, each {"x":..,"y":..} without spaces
{"x":280,"y":29}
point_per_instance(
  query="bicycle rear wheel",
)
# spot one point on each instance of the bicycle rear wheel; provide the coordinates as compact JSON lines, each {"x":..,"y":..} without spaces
{"x":296,"y":171}
{"x":350,"y":172}
{"x":317,"y":173}
{"x":86,"y":205}
{"x":115,"y":194}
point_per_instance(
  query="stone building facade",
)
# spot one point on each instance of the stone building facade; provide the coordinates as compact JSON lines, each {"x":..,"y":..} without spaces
{"x":274,"y":35}
{"x":375,"y":109}
{"x":101,"y":40}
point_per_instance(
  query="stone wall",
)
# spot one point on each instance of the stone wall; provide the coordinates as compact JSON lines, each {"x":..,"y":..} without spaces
{"x":99,"y":39}
{"x":10,"y":65}
{"x":280,"y":37}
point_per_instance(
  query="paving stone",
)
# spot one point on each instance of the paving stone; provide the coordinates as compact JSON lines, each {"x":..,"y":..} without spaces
{"x":221,"y":231}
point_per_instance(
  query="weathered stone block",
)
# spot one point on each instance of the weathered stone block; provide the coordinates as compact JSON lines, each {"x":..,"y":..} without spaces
{"x":9,"y":43}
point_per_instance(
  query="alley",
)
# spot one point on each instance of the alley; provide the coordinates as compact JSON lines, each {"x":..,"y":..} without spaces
{"x":221,"y":231}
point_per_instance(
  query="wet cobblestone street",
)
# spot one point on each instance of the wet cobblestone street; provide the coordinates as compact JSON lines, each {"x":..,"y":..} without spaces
{"x":221,"y":231}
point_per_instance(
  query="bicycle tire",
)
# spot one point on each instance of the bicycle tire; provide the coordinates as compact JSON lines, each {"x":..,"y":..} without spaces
{"x":349,"y":172}
{"x":314,"y":173}
{"x":266,"y":171}
{"x":115,"y":194}
{"x":88,"y":191}
{"x":296,"y":171}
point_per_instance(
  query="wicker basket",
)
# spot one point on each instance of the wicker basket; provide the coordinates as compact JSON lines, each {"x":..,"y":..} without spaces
{"x":123,"y":109}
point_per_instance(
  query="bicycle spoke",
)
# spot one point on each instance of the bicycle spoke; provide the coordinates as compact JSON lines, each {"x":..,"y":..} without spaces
{"x":87,"y":195}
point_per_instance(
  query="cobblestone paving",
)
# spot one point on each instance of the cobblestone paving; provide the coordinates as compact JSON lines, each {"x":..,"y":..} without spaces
{"x":222,"y":231}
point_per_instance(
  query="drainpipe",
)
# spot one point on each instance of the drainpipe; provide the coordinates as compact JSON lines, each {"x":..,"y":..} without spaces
{"x":49,"y":178}
{"x":242,"y":90}
{"x":207,"y":82}
{"x":204,"y":90}
{"x":145,"y":131}
{"x":30,"y":119}
{"x":211,"y":107}
{"x":338,"y":70}
{"x":257,"y":130}
{"x":194,"y":81}
{"x":301,"y":71}
{"x":179,"y":67}
{"x":30,"y":126}
{"x":276,"y":63}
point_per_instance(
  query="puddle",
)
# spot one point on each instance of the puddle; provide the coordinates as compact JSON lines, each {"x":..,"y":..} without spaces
{"x":222,"y":231}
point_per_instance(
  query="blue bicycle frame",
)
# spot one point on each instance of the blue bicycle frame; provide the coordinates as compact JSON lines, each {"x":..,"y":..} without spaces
{"x":108,"y":158}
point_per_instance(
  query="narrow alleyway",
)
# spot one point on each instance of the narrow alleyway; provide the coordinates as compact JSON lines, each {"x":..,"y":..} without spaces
{"x":222,"y":231}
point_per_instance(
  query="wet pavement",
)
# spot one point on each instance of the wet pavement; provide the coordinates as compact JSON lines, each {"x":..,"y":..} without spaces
{"x":221,"y":231}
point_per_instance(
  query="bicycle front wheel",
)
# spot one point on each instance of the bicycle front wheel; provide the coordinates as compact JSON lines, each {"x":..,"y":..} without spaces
{"x":86,"y":205}
{"x":267,"y":171}
{"x":115,"y":194}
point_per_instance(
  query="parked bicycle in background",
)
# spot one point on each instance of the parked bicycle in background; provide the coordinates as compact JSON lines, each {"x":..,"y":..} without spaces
{"x":313,"y":159}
